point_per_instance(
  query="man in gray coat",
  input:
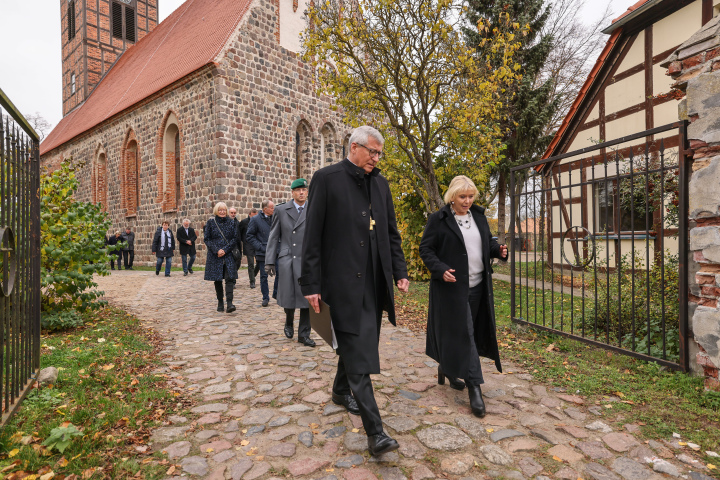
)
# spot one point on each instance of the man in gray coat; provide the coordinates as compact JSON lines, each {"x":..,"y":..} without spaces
{"x":283,"y":253}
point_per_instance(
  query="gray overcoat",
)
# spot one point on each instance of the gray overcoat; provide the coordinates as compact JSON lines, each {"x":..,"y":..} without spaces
{"x":284,"y":250}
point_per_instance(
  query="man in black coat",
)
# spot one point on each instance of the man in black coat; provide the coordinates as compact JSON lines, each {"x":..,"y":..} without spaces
{"x":129,"y":251}
{"x":186,"y":237}
{"x":247,"y":248}
{"x":257,"y":235}
{"x":351,"y":257}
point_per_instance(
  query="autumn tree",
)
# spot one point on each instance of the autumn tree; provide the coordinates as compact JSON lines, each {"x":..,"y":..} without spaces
{"x":407,"y":66}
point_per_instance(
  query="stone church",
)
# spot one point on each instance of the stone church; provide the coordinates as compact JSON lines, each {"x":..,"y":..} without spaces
{"x":213,"y":104}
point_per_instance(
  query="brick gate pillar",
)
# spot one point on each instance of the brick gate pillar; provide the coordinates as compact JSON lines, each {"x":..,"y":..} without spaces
{"x":695,"y":68}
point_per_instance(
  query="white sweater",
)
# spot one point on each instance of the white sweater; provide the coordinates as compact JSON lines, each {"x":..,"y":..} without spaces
{"x":473,"y":245}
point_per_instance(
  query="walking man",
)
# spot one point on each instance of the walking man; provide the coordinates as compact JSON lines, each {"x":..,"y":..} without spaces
{"x":186,"y":237}
{"x":351,"y":258}
{"x":129,"y":251}
{"x":257,"y":235}
{"x":284,"y":253}
{"x":248,"y":249}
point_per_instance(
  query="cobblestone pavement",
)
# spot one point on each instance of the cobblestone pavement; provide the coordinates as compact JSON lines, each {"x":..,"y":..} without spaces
{"x":264,"y":407}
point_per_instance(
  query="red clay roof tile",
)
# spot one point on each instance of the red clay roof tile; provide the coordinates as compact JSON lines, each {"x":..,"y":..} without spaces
{"x":190,"y":38}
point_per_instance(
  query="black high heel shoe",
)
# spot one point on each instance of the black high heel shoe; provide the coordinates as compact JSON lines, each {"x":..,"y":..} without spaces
{"x":477,"y":405}
{"x":454,"y":383}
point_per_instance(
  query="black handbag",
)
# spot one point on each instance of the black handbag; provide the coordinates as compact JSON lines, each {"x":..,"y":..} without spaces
{"x":237,"y":256}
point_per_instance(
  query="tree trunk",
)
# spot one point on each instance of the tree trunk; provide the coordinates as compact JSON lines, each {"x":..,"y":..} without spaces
{"x":502,"y":192}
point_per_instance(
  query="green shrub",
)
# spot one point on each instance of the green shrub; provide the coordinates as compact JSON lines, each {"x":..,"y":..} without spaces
{"x":73,"y":247}
{"x":60,"y":320}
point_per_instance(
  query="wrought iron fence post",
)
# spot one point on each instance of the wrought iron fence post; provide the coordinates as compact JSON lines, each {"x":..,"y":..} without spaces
{"x":684,"y":163}
{"x":511,"y":248}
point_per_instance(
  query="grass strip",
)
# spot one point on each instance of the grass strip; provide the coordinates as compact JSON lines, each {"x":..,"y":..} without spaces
{"x":108,"y":391}
{"x":629,"y":391}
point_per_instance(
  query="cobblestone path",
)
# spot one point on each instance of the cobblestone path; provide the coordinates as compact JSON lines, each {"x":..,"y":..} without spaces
{"x":264,"y":408}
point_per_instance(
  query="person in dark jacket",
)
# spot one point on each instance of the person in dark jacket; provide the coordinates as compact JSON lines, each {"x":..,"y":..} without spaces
{"x":111,"y":240}
{"x":163,"y":247}
{"x":457,"y":247}
{"x":129,"y":251}
{"x":186,"y":240}
{"x":351,"y":259}
{"x":238,"y":242}
{"x":220,"y":265}
{"x":247,"y":248}
{"x":257,"y":235}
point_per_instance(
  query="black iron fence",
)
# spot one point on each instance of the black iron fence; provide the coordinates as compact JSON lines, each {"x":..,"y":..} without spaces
{"x":19,"y":257}
{"x":610,"y":237}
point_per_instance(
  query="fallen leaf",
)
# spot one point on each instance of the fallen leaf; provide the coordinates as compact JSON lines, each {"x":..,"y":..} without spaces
{"x":63,"y":462}
{"x":550,"y":347}
{"x":48,"y":475}
{"x":557,"y":459}
{"x":209,"y":450}
{"x":170,"y":470}
{"x":489,"y":430}
{"x":245,"y":442}
{"x":711,"y":466}
{"x":107,"y":367}
{"x":13,"y":452}
{"x":355,"y":430}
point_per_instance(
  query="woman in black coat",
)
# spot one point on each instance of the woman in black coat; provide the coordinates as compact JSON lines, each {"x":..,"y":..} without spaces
{"x":220,"y":234}
{"x":456,"y":247}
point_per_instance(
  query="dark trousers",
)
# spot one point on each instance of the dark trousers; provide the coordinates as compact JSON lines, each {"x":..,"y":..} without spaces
{"x":168,"y":263}
{"x":187,"y":265}
{"x":359,"y":348}
{"x":252,"y":271}
{"x":264,"y":281}
{"x":129,"y":257}
{"x":475,"y":376}
{"x":304,"y":325}
{"x":116,"y":256}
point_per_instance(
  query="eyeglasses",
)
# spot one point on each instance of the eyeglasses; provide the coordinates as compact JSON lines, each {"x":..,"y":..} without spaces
{"x":372,"y":151}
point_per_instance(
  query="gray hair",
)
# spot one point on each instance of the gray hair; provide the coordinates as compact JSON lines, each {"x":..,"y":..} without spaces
{"x":266,"y":202}
{"x":253,"y":210}
{"x":362,"y":134}
{"x":185,"y":220}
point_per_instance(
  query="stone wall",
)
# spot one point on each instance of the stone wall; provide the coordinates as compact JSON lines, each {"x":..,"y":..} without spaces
{"x":695,"y":67}
{"x":247,"y":126}
{"x":191,"y":101}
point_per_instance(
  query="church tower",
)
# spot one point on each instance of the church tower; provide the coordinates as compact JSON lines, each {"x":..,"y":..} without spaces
{"x":94,"y":34}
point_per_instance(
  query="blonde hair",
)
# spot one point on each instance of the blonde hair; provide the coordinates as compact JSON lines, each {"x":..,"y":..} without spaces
{"x":459,"y":184}
{"x":218,"y":206}
{"x":117,"y":232}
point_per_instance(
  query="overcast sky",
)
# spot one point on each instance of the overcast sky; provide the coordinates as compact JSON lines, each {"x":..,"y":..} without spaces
{"x":30,"y":63}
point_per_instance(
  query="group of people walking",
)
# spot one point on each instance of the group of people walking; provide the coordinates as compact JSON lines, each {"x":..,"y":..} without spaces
{"x":337,"y":244}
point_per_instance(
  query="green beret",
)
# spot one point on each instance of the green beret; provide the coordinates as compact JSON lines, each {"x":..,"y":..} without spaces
{"x":299,"y":183}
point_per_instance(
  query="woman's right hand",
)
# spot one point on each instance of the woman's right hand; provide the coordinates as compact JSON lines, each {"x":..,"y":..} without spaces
{"x":221,"y":252}
{"x":448,"y":276}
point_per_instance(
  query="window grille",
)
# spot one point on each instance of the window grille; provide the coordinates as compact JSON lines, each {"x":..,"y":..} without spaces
{"x":71,"y":19}
{"x":117,"y":28}
{"x":130,"y":24}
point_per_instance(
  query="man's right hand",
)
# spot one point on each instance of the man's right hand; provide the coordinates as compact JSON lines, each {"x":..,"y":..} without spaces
{"x":270,"y":270}
{"x":314,"y":301}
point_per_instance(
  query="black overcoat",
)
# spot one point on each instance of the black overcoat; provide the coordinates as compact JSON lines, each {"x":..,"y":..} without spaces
{"x":182,"y":237}
{"x":220,"y":235}
{"x":247,"y":249}
{"x":258,"y":233}
{"x":167,"y":252}
{"x":442,"y":248}
{"x":337,"y":238}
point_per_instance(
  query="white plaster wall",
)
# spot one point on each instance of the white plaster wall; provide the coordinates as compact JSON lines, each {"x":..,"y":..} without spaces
{"x":674,"y":29}
{"x":292,"y":24}
{"x":625,"y":126}
{"x":584,"y":139}
{"x":636,"y":55}
{"x":594,"y":113}
{"x":625,"y":93}
{"x":666,"y":113}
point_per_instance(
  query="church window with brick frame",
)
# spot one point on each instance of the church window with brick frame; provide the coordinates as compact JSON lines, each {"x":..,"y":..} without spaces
{"x":123,"y":22}
{"x":303,"y":150}
{"x":131,"y":175}
{"x":99,"y":179}
{"x":169,"y":158}
{"x":327,"y":144}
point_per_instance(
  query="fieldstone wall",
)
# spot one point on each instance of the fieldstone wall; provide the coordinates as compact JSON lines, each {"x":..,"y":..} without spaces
{"x":695,"y":67}
{"x":248,"y":126}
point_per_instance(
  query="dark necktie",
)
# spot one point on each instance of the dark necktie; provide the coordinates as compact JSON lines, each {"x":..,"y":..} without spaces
{"x":300,"y":209}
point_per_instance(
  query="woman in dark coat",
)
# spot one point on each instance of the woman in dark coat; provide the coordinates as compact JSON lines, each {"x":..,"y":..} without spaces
{"x":163,"y":246}
{"x":220,"y":265}
{"x":456,"y":247}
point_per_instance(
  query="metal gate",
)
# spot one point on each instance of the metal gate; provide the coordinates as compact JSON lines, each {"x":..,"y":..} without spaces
{"x":19,"y":257}
{"x":599,"y":245}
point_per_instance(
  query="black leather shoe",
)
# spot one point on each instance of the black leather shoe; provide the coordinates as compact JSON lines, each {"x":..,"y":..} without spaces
{"x":190,"y":271}
{"x":265,"y":303}
{"x":307,"y":341}
{"x":230,"y":308}
{"x":185,"y":274}
{"x":221,"y":306}
{"x":381,"y":443}
{"x":477,"y":405}
{"x":347,"y":401}
{"x":454,"y":383}
{"x":289,"y":331}
{"x":252,"y":285}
